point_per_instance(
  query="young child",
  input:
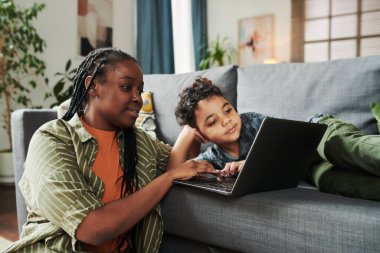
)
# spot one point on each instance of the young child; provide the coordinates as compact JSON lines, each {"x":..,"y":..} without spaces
{"x":344,"y":155}
{"x":208,"y":116}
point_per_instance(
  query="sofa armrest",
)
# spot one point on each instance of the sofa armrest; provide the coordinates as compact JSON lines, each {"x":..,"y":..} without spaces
{"x":24,"y":123}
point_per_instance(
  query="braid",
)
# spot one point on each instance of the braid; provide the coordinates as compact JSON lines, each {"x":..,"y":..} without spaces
{"x":130,"y":161}
{"x":94,"y":65}
{"x":130,"y":180}
{"x":79,"y":91}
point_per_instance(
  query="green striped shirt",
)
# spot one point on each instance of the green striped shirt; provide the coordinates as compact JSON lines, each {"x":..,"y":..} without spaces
{"x":60,"y":189}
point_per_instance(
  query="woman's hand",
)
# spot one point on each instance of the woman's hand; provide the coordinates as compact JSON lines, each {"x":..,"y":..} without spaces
{"x":232,"y":168}
{"x":192,"y":168}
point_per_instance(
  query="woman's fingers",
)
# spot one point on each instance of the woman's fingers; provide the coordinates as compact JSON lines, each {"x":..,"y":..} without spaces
{"x":205,"y":167}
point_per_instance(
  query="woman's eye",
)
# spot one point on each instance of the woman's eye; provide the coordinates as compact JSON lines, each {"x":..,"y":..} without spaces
{"x":228,"y":110}
{"x":126,"y":87}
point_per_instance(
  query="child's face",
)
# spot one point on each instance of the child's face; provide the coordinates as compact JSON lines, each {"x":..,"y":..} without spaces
{"x":217,"y":120}
{"x":117,"y":99}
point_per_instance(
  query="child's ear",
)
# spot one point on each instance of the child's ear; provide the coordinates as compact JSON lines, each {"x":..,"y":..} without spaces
{"x":200,"y":136}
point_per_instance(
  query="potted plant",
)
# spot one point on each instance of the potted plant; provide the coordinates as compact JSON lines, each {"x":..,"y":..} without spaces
{"x":61,"y":91}
{"x":217,"y":52}
{"x":20,"y":66}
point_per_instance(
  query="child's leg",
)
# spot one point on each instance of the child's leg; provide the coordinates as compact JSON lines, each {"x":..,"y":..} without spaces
{"x":347,"y":147}
{"x":331,"y":179}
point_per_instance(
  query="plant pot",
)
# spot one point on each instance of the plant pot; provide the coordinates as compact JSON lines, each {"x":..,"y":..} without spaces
{"x":6,"y":168}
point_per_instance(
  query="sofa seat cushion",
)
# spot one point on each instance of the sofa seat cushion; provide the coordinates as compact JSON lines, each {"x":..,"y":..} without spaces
{"x":291,"y":220}
{"x":175,"y":244}
{"x":345,"y":88}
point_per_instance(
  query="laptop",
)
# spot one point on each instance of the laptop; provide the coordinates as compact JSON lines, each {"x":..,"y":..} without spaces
{"x":277,"y":159}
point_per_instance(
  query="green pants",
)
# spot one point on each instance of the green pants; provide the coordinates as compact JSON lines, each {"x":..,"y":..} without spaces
{"x":349,"y":161}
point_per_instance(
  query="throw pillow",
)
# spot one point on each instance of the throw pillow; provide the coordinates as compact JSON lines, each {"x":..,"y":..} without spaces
{"x":145,"y":121}
{"x":375,"y":108}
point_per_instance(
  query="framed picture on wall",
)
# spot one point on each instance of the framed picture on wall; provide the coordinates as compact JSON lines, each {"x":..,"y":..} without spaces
{"x":94,"y":25}
{"x":255,"y":39}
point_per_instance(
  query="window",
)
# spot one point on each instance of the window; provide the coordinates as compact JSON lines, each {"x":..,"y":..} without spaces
{"x":334,"y":29}
{"x":182,"y":36}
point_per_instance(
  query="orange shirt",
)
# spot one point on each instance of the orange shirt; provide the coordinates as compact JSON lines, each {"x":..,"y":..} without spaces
{"x":107,"y":167}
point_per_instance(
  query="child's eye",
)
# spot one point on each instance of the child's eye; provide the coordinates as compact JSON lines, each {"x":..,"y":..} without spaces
{"x":212,"y":122}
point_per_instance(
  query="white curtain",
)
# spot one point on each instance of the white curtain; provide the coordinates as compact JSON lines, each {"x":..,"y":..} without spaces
{"x":183,"y":36}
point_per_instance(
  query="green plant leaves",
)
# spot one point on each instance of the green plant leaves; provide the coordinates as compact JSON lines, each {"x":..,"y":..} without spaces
{"x":217,"y":51}
{"x":60,"y":91}
{"x":68,"y":65}
{"x":19,"y":45}
{"x":58,"y":87}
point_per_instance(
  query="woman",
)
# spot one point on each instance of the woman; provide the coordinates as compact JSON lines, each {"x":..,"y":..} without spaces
{"x":91,"y":179}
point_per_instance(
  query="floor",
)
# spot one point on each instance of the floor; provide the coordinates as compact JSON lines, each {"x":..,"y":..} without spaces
{"x":8,"y":213}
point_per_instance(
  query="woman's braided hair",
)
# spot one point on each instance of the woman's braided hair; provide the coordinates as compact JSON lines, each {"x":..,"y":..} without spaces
{"x":96,"y":64}
{"x":201,"y":89}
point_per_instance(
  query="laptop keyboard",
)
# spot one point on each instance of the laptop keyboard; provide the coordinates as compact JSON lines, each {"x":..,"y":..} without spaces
{"x":225,"y":185}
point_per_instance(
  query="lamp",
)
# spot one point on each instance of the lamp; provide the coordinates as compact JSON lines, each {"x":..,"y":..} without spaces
{"x":270,"y":61}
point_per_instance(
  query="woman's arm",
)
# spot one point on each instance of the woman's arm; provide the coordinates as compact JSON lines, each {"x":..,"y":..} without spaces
{"x":117,"y":217}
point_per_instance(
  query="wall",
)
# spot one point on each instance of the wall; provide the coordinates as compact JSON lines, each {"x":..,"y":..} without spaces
{"x":57,"y":25}
{"x":223,"y":17}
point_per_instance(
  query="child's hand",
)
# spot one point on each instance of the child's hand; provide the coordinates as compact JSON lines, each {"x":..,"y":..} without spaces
{"x":232,"y":168}
{"x":199,"y":136}
{"x":193,"y":133}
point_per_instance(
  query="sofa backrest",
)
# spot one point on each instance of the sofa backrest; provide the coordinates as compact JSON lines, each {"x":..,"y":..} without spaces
{"x":166,"y":88}
{"x":345,"y":88}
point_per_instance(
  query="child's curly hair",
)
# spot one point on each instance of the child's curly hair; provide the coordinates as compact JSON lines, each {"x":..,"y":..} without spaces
{"x":201,"y":89}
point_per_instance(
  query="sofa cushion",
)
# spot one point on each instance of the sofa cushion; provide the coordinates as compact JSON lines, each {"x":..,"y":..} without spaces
{"x":166,"y":87}
{"x":175,"y":244}
{"x":345,"y":88}
{"x":292,"y":220}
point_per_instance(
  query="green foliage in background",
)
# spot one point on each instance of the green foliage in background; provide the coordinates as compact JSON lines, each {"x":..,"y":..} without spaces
{"x":217,"y":52}
{"x":20,"y":66}
{"x":60,"y":90}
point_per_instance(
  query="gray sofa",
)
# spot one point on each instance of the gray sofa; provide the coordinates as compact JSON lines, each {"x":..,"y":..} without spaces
{"x":301,"y":219}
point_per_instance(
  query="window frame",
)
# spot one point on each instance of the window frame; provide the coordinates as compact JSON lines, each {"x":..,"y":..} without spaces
{"x":298,"y":29}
